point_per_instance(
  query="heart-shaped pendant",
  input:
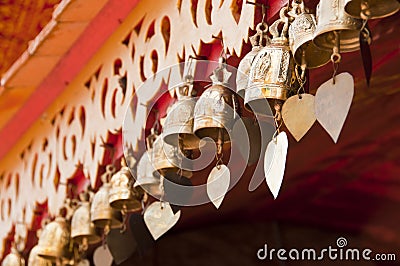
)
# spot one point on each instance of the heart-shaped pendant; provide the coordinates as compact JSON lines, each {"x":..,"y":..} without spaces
{"x":116,"y":242}
{"x":102,"y":256}
{"x":332,"y":103}
{"x":275,"y":161}
{"x":218,"y":184}
{"x":159,"y":218}
{"x":298,"y":113}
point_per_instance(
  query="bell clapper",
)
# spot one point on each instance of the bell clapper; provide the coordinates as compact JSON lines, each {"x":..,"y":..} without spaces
{"x":336,"y":57}
{"x":365,"y":13}
{"x":219,"y":154}
{"x":301,"y":77}
{"x":277,"y":120}
{"x":124,"y":212}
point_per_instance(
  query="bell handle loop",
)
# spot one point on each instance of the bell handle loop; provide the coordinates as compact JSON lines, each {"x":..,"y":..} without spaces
{"x":297,"y":8}
{"x":262,"y":27}
{"x":283,"y":18}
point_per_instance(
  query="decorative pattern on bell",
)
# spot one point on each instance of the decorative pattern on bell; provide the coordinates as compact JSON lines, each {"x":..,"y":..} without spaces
{"x":54,"y":240}
{"x":272,"y":72}
{"x":178,"y":126}
{"x":147,"y":177}
{"x":371,"y":9}
{"x":331,"y":18}
{"x":217,"y":108}
{"x":102,"y":214}
{"x":13,"y":259}
{"x":82,"y":229}
{"x":35,"y":259}
{"x":168,"y":159}
{"x":123,"y":196}
{"x":242,"y":76}
{"x":301,"y":33}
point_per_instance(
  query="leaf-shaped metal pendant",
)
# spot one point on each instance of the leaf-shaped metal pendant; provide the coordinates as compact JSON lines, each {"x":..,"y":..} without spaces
{"x":218,"y":184}
{"x":332,"y":103}
{"x":102,"y":256}
{"x":275,"y":161}
{"x":159,"y":218}
{"x":298,"y":113}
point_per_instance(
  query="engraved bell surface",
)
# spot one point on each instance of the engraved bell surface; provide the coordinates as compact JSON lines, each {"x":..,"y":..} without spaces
{"x":243,"y":71}
{"x":301,"y":33}
{"x":82,"y":229}
{"x":102,"y":214}
{"x":54,"y":240}
{"x":178,"y":126}
{"x":147,"y":177}
{"x":123,"y":196}
{"x":272,"y":77}
{"x":332,"y":18}
{"x":217,"y":108}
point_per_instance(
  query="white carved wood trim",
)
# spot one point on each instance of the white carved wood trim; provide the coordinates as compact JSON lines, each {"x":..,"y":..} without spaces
{"x":94,"y":104}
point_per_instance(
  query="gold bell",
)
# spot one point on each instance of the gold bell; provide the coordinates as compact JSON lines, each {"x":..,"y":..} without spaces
{"x":123,"y":196}
{"x":178,"y":126}
{"x":272,"y":72}
{"x":147,"y":177}
{"x":101,"y":213}
{"x":217,"y":108}
{"x":168,"y":160}
{"x":54,"y":240}
{"x":336,"y":28}
{"x":35,"y":260}
{"x":242,"y":76}
{"x":371,"y":9}
{"x":301,"y":33}
{"x":82,"y":229}
{"x":13,"y":259}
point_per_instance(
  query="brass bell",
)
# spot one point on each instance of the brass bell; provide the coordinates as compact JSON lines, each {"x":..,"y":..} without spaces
{"x":178,"y":126}
{"x":168,"y":160}
{"x":101,"y":213}
{"x":13,"y":259}
{"x":336,"y":28}
{"x":371,"y":9}
{"x":123,"y":196}
{"x":54,"y":240}
{"x":35,"y":260}
{"x":243,"y":71}
{"x":147,"y":177}
{"x":272,"y":72}
{"x":82,"y":229}
{"x":301,"y":33}
{"x":217,"y":108}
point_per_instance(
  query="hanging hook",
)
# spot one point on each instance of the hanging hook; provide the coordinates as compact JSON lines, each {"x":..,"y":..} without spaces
{"x":156,"y":125}
{"x":262,"y":27}
{"x":223,"y":55}
{"x":264,"y":9}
